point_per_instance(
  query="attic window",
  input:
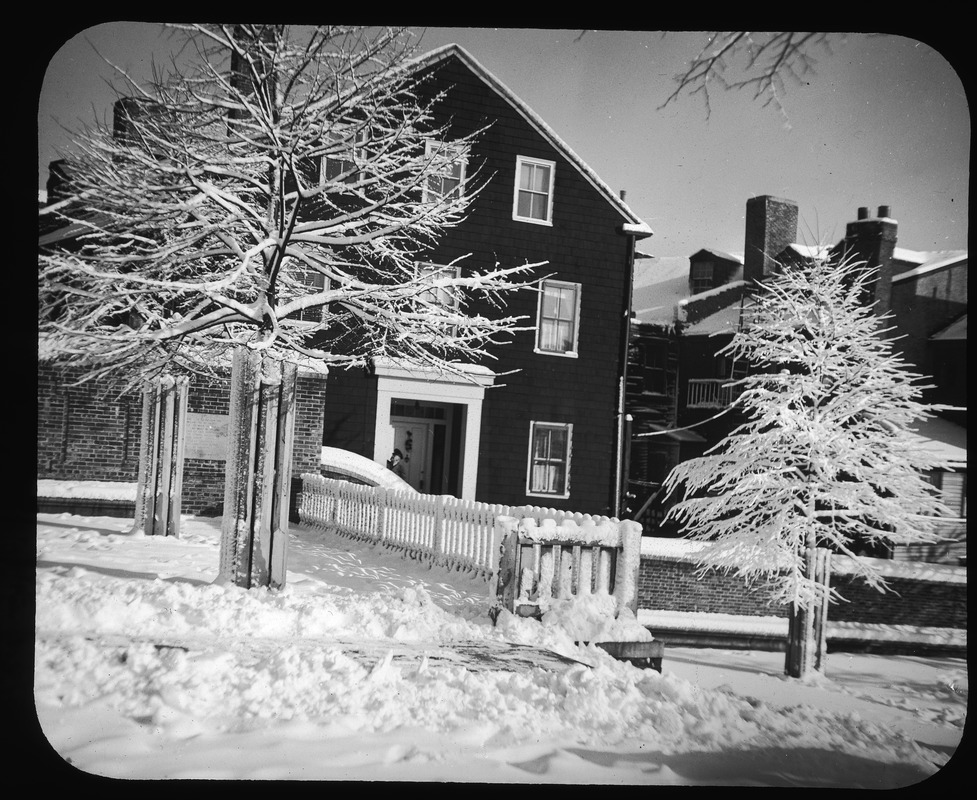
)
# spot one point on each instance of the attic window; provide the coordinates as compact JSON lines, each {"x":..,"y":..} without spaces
{"x":533,"y":196}
{"x":703,"y":276}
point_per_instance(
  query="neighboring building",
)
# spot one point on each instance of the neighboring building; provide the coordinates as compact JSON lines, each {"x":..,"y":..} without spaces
{"x":541,"y":420}
{"x":925,"y":292}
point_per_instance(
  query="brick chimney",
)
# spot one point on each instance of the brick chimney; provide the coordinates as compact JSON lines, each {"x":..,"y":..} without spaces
{"x":873,"y":241}
{"x":57,"y":185}
{"x":771,"y":225}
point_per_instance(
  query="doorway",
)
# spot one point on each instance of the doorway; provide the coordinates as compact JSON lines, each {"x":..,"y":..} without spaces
{"x":427,"y":433}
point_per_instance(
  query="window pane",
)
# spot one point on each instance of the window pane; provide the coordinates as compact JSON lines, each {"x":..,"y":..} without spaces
{"x":538,"y":205}
{"x":567,"y":303}
{"x":541,"y":178}
{"x":558,"y":443}
{"x":551,"y":301}
{"x":564,"y":336}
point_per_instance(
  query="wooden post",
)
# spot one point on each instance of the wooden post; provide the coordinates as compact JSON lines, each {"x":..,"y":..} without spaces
{"x":504,"y":583}
{"x":160,"y":482}
{"x":254,"y":531}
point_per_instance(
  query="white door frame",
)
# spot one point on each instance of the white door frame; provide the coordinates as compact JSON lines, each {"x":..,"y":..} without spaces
{"x":394,"y":381}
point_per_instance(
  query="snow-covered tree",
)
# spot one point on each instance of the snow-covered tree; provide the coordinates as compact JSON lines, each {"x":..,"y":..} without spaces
{"x":825,"y":458}
{"x":273,"y":191}
{"x":274,"y":188}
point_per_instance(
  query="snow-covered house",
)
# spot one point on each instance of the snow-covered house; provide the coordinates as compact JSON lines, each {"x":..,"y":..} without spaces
{"x":691,"y":308}
{"x":541,"y":420}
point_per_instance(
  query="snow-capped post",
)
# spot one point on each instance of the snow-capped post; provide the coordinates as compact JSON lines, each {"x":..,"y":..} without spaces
{"x":824,"y":460}
{"x":504,"y":582}
{"x":254,"y":531}
{"x":160,"y":479}
{"x":628,"y":566}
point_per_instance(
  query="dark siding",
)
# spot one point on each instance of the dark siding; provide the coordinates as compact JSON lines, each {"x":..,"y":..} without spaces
{"x":582,"y":246}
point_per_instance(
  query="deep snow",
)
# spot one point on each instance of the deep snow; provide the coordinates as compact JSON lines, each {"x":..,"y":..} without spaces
{"x":371,"y":667}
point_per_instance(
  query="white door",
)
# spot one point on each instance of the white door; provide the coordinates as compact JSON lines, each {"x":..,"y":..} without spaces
{"x":413,"y":440}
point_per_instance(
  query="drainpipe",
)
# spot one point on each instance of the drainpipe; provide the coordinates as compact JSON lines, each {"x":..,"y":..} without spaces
{"x":622,"y":469}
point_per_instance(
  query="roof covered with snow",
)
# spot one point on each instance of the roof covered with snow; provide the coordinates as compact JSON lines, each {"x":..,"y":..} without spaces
{"x":927,"y":262}
{"x":946,"y":440}
{"x":659,"y":285}
{"x":955,"y":331}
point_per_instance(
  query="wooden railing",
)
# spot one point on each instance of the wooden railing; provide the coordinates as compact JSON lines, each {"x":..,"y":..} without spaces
{"x":709,"y":393}
{"x":543,"y":561}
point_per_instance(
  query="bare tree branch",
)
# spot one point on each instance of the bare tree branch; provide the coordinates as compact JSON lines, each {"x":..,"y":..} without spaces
{"x":759,"y":61}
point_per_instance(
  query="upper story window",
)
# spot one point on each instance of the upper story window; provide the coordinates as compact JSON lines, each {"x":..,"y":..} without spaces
{"x":444,"y":296}
{"x":341,"y":165}
{"x":449,"y":180}
{"x":533,"y":199}
{"x":558,"y":318}
{"x":703,"y":276}
{"x":549,"y":459}
{"x":316,"y":282}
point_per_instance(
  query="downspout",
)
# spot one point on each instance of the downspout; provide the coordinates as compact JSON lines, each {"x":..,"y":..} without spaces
{"x":621,"y":472}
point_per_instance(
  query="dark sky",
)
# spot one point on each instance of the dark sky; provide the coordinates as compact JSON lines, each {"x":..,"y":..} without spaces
{"x":883,"y":121}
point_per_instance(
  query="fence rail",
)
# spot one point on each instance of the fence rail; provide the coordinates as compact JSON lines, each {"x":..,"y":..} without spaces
{"x":439,"y":528}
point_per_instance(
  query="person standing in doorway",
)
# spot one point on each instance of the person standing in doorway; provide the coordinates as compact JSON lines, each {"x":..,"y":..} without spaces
{"x":397,"y":466}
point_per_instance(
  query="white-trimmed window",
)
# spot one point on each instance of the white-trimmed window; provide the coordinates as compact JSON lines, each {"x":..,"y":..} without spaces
{"x":533,"y":196}
{"x":549,"y":459}
{"x":442,"y":296}
{"x":341,"y":165}
{"x":558,"y":318}
{"x":449,"y":181}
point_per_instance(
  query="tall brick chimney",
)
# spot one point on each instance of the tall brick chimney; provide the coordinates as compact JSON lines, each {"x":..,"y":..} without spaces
{"x":873,"y":241}
{"x":771,"y":225}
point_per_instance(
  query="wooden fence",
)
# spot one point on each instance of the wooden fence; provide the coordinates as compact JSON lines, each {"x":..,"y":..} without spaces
{"x":442,"y":529}
{"x":546,"y":560}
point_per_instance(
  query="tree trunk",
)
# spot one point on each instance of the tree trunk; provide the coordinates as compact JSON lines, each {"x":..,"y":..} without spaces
{"x":254,"y":531}
{"x":160,"y":482}
{"x":807,"y":625}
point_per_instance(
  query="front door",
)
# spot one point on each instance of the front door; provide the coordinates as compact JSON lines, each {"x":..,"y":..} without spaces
{"x":413,"y":439}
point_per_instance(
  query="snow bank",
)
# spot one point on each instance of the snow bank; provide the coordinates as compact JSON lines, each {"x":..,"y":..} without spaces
{"x":370,"y":667}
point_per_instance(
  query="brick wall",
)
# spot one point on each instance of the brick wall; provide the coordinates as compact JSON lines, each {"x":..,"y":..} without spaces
{"x":86,"y":432}
{"x":91,"y":432}
{"x":670,"y":584}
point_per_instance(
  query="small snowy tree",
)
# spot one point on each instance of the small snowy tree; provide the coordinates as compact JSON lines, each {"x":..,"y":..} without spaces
{"x":824,"y":458}
{"x":273,"y":190}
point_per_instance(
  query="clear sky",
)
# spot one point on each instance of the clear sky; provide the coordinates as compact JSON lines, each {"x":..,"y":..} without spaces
{"x":883,"y":121}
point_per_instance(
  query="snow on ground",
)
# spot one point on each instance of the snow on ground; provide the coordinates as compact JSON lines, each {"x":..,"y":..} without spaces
{"x":371,"y":667}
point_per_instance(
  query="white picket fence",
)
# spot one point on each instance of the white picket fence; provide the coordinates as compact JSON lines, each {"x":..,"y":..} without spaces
{"x":444,"y":530}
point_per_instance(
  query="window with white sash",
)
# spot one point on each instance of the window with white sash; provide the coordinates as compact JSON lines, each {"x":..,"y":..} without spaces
{"x":549,"y":459}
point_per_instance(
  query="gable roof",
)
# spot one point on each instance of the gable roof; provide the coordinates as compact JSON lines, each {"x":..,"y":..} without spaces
{"x":738,"y":259}
{"x":927,"y":262}
{"x":633,"y":224}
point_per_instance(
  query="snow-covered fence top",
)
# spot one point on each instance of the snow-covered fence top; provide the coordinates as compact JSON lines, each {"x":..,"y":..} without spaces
{"x":547,"y":560}
{"x":442,"y":529}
